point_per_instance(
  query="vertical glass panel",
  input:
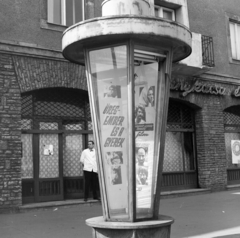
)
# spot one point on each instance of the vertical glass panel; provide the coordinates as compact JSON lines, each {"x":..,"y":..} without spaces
{"x":70,"y":12}
{"x":72,"y":148}
{"x":110,"y":84}
{"x":167,"y":14}
{"x":48,"y":126}
{"x":26,"y":124}
{"x":78,"y":11}
{"x":173,"y":160}
{"x":233,"y":40}
{"x":27,"y":156}
{"x":54,"y":11}
{"x":238,"y":40}
{"x":229,"y":139}
{"x":146,"y":78}
{"x":89,"y":125}
{"x":188,"y":151}
{"x":73,"y":125}
{"x":48,"y":156}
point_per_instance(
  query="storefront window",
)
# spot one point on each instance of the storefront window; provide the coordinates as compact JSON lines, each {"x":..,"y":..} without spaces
{"x":232,"y":137}
{"x":179,"y":145}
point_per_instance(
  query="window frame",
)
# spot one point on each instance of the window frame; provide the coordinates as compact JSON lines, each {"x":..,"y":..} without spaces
{"x":236,"y":38}
{"x":63,"y":18}
{"x":161,"y":9}
{"x":231,"y":18}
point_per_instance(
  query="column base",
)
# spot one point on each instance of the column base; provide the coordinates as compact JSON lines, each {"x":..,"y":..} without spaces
{"x":155,"y":228}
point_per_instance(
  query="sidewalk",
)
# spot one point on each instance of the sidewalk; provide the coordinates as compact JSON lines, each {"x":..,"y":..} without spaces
{"x":211,"y":215}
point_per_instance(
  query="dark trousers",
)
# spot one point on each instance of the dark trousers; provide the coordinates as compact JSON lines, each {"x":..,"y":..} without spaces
{"x":90,"y":178}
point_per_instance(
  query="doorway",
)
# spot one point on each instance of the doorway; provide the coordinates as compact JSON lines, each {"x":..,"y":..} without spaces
{"x":56,"y":124}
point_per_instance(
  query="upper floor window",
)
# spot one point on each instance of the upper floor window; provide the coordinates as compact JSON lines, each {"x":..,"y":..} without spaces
{"x":65,"y":12}
{"x":235,"y":40}
{"x":164,"y":12}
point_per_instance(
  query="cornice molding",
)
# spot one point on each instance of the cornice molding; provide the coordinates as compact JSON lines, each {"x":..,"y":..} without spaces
{"x":31,"y":50}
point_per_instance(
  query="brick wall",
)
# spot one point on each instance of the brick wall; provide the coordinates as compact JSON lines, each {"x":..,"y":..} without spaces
{"x":10,"y":136}
{"x":211,"y":155}
{"x":34,"y":73}
{"x":20,"y":74}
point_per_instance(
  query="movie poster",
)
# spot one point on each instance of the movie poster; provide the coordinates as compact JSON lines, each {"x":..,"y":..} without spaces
{"x":145,"y":111}
{"x":113,"y":108}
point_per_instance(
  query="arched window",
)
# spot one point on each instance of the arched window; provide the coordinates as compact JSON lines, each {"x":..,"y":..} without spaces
{"x":56,"y":124}
{"x":179,"y":167}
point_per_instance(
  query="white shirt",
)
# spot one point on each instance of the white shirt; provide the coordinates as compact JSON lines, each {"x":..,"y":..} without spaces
{"x":88,"y":158}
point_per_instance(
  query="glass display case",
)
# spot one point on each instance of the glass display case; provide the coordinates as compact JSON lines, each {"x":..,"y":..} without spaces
{"x":128,"y":86}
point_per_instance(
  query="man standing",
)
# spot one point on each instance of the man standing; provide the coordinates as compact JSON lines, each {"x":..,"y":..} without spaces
{"x":88,"y":159}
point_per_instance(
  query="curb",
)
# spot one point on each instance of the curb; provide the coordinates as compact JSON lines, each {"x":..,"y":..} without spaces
{"x":77,"y":202}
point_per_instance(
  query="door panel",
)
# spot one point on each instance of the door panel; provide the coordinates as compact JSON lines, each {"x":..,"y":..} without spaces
{"x":72,"y":169}
{"x":72,"y":148}
{"x":50,"y":181}
{"x":27,"y":169}
{"x":48,"y":156}
{"x":27,"y":156}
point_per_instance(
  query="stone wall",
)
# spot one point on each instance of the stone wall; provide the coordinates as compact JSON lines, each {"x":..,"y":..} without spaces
{"x":10,"y":137}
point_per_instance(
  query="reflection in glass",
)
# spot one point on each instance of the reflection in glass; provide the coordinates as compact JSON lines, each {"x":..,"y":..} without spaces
{"x":109,"y":79}
{"x":145,"y":78}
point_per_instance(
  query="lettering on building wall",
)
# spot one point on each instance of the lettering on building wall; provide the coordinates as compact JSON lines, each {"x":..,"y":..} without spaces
{"x":196,"y":85}
{"x":236,"y":92}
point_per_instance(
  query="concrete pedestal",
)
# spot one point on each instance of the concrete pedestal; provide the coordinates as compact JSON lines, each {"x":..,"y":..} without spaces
{"x":145,"y":229}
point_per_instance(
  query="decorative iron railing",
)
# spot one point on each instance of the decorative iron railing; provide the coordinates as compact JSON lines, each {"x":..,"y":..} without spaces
{"x":207,"y":51}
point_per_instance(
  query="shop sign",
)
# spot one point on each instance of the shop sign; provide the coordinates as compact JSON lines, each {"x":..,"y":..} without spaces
{"x":195,"y":85}
{"x":236,"y":92}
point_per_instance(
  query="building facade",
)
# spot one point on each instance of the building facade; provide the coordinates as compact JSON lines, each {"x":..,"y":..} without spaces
{"x":45,"y":118}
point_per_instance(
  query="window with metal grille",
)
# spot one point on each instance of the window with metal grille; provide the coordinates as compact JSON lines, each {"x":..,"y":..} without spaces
{"x":68,"y":106}
{"x":179,"y":144}
{"x":231,"y":118}
{"x":179,"y":117}
{"x":207,"y":51}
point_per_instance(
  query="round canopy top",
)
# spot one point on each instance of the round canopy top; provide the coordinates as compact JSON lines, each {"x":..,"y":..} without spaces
{"x":154,"y":31}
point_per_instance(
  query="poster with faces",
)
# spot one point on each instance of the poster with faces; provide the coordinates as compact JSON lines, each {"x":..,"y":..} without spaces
{"x":145,"y":112}
{"x":113,"y":105}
